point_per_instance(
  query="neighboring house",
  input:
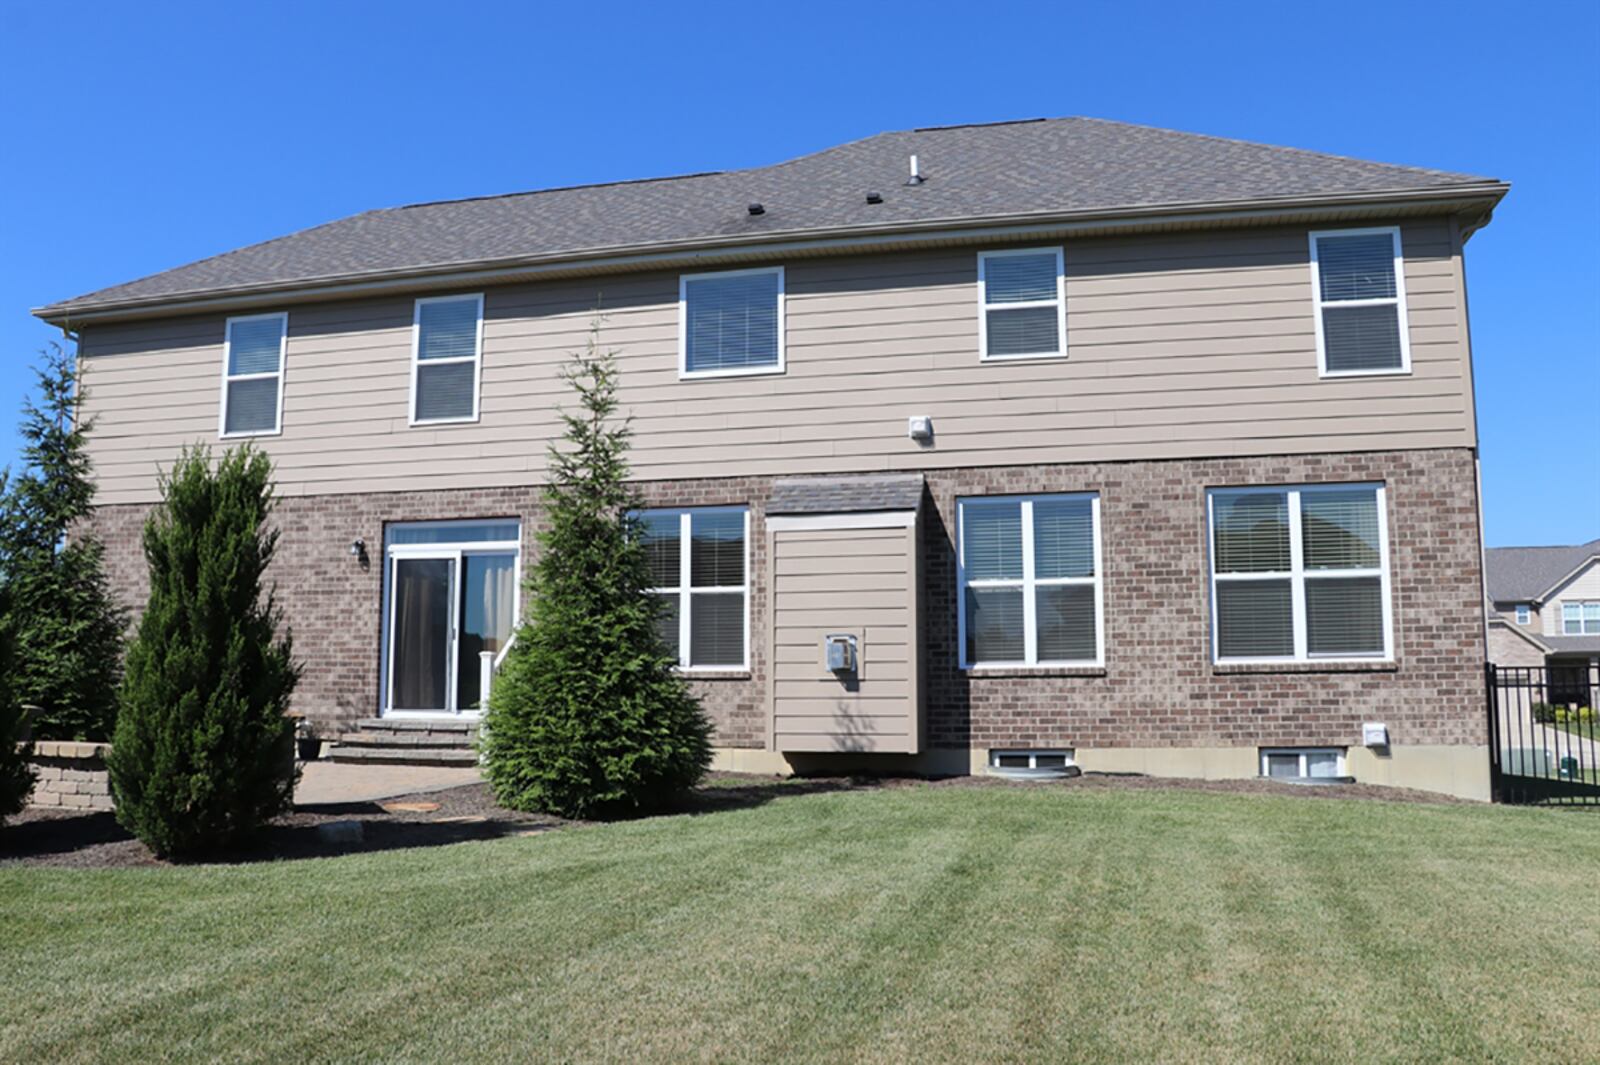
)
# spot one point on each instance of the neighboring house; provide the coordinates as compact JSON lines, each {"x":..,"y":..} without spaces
{"x":1002,"y":446}
{"x":1545,"y":611}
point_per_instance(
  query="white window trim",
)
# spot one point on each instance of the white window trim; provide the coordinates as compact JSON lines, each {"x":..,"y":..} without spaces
{"x":1580,"y":606}
{"x":227,"y":378}
{"x":1398,"y":301}
{"x":1338,"y":753}
{"x":1029,"y":585}
{"x":686,"y":374}
{"x":476,"y":358}
{"x":1297,"y":574}
{"x":1060,"y":304}
{"x":685,"y":589}
{"x":1524,"y":614}
{"x":391,"y":552}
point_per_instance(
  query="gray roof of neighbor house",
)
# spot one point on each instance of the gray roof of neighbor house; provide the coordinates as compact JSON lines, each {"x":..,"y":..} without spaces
{"x":1004,"y":173}
{"x":845,"y":495}
{"x":1524,"y":574}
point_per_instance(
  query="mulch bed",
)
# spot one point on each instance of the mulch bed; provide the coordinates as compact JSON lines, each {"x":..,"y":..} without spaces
{"x":45,"y":836}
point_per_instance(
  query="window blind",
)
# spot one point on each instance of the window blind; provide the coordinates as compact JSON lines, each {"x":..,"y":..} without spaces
{"x":731,"y":322}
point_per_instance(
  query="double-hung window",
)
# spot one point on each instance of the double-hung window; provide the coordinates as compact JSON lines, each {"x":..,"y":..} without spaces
{"x":1358,"y":281}
{"x":447,"y":359}
{"x":1524,"y":614}
{"x":1022,"y":296}
{"x":1299,"y":574}
{"x":699,"y":563}
{"x":252,"y":375}
{"x":1580,"y":619}
{"x":1030,"y":581}
{"x":730,"y":323}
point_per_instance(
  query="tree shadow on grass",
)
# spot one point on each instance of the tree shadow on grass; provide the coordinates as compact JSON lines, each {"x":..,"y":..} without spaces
{"x":329,"y":830}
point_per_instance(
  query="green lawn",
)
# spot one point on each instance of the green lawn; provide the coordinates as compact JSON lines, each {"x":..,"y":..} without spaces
{"x":926,"y":923}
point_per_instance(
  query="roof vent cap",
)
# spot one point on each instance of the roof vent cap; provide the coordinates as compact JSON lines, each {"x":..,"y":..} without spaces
{"x":916,"y":177}
{"x":756,"y":208}
{"x":874,"y":197}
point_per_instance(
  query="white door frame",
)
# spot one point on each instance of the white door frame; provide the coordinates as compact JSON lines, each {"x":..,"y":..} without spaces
{"x":424,"y":552}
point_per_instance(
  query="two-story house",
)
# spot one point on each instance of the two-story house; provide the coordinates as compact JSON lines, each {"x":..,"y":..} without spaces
{"x":1544,"y":611}
{"x":982,"y":447}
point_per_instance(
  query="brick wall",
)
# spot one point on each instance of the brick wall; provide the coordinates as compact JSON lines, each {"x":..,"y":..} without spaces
{"x":72,"y":775}
{"x":1158,"y":688}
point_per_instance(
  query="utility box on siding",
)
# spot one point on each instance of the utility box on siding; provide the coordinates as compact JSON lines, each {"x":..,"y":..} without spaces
{"x":845,"y":566}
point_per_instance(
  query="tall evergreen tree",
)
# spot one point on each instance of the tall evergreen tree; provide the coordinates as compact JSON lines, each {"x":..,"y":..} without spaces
{"x":587,"y":715}
{"x":16,"y":775}
{"x":203,"y":752}
{"x":66,"y":630}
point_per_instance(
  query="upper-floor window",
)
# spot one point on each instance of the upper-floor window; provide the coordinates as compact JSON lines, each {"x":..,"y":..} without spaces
{"x":1029,"y":574}
{"x":1358,"y":281}
{"x":699,"y":561}
{"x":1022,"y":296}
{"x":252,"y":374}
{"x":447,"y":349}
{"x":730,"y":323}
{"x":1299,"y":573}
{"x":1524,"y":614}
{"x":1580,"y":619}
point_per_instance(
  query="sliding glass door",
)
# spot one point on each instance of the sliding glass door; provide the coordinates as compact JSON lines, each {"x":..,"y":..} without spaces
{"x":450,"y":609}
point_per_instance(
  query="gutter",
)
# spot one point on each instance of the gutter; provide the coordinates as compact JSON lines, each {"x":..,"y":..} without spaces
{"x":1475,"y":200}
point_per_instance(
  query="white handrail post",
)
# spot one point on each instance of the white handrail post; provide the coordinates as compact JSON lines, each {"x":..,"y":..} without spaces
{"x":485,"y":677}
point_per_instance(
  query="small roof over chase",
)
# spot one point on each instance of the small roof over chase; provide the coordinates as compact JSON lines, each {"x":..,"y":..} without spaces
{"x":846,"y":495}
{"x":1000,"y":174}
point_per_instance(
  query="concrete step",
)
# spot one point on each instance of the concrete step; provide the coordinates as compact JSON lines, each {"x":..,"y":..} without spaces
{"x":406,"y":739}
{"x":412,"y":725}
{"x":402,"y":755}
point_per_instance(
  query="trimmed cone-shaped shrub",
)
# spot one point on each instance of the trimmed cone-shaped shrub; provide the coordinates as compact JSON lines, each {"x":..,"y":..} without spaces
{"x":66,"y":628}
{"x":203,"y":752}
{"x":16,"y":775}
{"x":587,"y":716}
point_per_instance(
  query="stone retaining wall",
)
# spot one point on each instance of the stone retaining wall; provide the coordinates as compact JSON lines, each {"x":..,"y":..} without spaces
{"x":71,"y":774}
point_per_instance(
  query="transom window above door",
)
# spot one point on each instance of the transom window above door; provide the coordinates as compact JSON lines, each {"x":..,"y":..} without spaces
{"x":730,"y":323}
{"x":451,"y":603}
{"x":699,"y":561}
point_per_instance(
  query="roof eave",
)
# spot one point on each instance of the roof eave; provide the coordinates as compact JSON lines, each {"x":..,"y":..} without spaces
{"x":1475,"y":200}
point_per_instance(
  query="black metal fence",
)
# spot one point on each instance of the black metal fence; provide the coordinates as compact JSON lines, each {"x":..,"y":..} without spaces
{"x":1544,"y":739}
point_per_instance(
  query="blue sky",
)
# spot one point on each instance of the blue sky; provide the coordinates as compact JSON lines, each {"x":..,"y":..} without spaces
{"x":140,"y":137}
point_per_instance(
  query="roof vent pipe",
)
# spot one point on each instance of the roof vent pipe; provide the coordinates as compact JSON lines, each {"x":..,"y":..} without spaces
{"x":916,"y":173}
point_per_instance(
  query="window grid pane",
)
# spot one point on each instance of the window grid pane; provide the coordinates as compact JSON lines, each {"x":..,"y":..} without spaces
{"x":446,"y":391}
{"x":1019,"y":278}
{"x":1362,"y":337}
{"x":254,"y":347}
{"x":1339,"y":529}
{"x":1251,"y":532}
{"x":1063,"y":538}
{"x":1344,"y":616}
{"x":731,"y":323}
{"x":1066,"y":621}
{"x":716,"y":549}
{"x":661,"y":533}
{"x":992,"y":541}
{"x":716,"y":629}
{"x":447,"y":329}
{"x":252,"y":405}
{"x":1255,"y":619}
{"x":1024,"y":330}
{"x":1356,"y":267}
{"x":995,"y":625}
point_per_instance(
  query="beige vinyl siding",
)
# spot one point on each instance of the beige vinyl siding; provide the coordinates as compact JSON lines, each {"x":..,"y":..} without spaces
{"x":1180,"y":346}
{"x":1583,"y":586}
{"x":857,"y":581}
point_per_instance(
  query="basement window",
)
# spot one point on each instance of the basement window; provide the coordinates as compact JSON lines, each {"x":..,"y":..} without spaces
{"x":1030,"y":762}
{"x":1304,"y":763}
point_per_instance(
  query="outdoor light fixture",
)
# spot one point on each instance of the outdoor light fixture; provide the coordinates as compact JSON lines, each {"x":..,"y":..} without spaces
{"x":358,"y":547}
